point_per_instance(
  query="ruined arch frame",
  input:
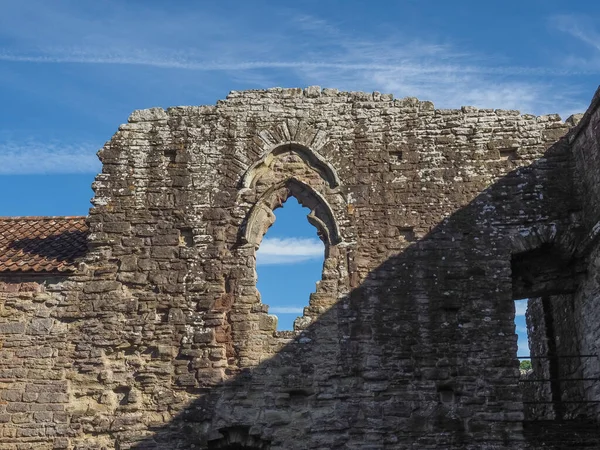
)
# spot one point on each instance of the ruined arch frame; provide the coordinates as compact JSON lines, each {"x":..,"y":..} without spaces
{"x":262,"y":217}
{"x":311,"y":157}
{"x":291,"y":169}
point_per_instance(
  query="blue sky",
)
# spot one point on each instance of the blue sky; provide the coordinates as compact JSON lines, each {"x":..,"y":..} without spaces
{"x":521,"y":327}
{"x":289,"y":263}
{"x":72,"y":71}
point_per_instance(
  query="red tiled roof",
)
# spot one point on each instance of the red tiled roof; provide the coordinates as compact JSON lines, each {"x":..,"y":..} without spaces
{"x":41,"y":244}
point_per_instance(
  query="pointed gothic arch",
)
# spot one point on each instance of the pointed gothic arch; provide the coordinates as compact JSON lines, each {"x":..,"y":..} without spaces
{"x":312,"y":159}
{"x":261,"y":216}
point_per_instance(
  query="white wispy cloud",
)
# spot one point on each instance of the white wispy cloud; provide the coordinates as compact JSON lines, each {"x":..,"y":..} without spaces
{"x":585,"y":33}
{"x":32,"y":157}
{"x":288,"y":250}
{"x":286,"y":309}
{"x":299,"y":46}
{"x":448,"y":76}
{"x":196,"y":63}
{"x":520,"y":307}
{"x":582,"y":28}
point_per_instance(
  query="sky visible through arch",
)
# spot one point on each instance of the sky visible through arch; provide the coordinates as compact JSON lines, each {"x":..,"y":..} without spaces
{"x":288,"y":267}
{"x":72,"y":71}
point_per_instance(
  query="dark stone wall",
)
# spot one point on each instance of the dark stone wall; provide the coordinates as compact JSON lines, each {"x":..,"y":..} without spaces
{"x":431,"y":219}
{"x":563,"y":329}
{"x":585,"y":144}
{"x":556,"y":382}
{"x":586,"y":148}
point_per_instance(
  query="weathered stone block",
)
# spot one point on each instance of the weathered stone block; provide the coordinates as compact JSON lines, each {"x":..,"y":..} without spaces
{"x":93,"y":287}
{"x":12,"y":328}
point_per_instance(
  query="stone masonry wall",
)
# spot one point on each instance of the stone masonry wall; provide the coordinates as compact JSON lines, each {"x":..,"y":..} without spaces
{"x":36,"y":356}
{"x":586,"y":148}
{"x":554,"y":336}
{"x":408,"y":341}
{"x":574,"y":317}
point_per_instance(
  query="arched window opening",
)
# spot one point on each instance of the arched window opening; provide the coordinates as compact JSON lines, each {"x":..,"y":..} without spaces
{"x":289,"y":263}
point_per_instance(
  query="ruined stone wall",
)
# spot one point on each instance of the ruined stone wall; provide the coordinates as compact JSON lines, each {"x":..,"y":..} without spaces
{"x":586,"y":148}
{"x":585,"y":143}
{"x":573,"y":318}
{"x":588,"y":333}
{"x":537,"y":394}
{"x":408,"y":341}
{"x":555,"y":385}
{"x":408,"y":337}
{"x":36,"y":357}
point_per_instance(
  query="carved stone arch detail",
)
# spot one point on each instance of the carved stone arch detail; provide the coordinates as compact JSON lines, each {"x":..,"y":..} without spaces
{"x":311,"y":157}
{"x":261,"y":216}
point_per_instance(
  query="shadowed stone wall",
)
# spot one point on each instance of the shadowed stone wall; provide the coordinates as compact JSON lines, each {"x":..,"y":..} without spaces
{"x":434,"y":221}
{"x":564,"y":326}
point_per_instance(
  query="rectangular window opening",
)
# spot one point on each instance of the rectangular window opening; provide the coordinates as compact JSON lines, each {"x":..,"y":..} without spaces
{"x":170,"y":155}
{"x":508,"y":154}
{"x":395,"y":156}
{"x":406,"y":233}
{"x":523,"y":352}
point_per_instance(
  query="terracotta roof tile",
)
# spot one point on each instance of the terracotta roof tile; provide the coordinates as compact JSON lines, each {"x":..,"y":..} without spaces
{"x":41,"y":244}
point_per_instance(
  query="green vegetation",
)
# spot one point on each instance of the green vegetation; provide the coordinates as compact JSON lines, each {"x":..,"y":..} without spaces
{"x":525,"y":365}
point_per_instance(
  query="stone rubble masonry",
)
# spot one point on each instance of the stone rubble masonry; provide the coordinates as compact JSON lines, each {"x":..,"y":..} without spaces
{"x":434,"y":221}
